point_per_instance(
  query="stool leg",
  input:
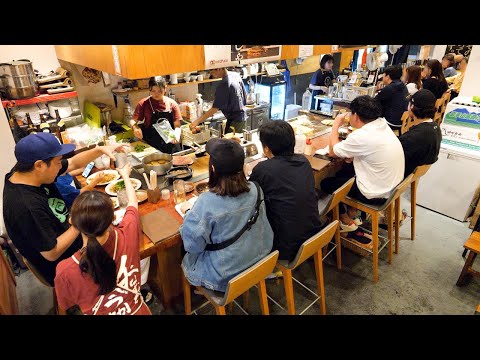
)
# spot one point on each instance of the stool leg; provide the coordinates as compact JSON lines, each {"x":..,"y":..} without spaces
{"x":230,"y":307}
{"x":336,"y":216}
{"x":413,"y":209}
{"x":187,"y":298}
{"x":464,"y":252}
{"x":220,"y":310}
{"x":245,"y":299}
{"x":397,"y":224}
{"x":389,"y":232}
{"x":468,"y":264}
{"x":320,"y":284}
{"x":375,"y":244}
{"x":288,"y":283}
{"x":262,"y":294}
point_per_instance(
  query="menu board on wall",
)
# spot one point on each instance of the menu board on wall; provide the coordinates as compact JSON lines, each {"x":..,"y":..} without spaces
{"x":305,"y":50}
{"x":217,"y":56}
{"x":247,"y":54}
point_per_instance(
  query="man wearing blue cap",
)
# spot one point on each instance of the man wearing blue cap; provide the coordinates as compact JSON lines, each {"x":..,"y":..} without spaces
{"x":35,"y":214}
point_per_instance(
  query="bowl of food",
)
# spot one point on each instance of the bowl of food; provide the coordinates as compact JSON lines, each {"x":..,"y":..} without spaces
{"x":158,"y":162}
{"x":115,"y":186}
{"x":202,"y":187}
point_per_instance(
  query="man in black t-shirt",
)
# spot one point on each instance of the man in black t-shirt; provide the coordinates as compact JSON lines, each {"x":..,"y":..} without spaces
{"x":230,"y":98}
{"x":421,"y":144}
{"x":393,"y":97}
{"x":289,"y":187}
{"x":35,"y":214}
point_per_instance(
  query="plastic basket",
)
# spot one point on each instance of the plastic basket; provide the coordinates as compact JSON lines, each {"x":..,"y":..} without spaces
{"x":360,"y":249}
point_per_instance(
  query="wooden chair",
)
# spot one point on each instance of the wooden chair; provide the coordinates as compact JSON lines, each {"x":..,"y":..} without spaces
{"x":407,"y":122}
{"x":441,"y":105}
{"x":56,"y":307}
{"x":472,"y":244}
{"x":330,"y":203}
{"x":8,"y":284}
{"x":237,"y":286}
{"x":417,"y":174}
{"x":311,"y":247}
{"x":374,"y":210}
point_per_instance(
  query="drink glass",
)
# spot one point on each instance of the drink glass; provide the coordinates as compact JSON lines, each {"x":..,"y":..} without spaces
{"x":122,"y":198}
{"x":120,"y":159}
{"x":179,"y":194}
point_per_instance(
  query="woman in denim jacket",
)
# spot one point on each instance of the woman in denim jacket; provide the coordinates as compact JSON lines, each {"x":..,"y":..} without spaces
{"x":218,"y":215}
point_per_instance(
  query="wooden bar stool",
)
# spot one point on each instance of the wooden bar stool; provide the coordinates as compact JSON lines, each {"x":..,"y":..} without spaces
{"x":472,"y":244}
{"x":374,"y":210}
{"x":311,"y":247}
{"x":56,"y":307}
{"x":417,"y":174}
{"x":330,"y":203}
{"x":237,"y":286}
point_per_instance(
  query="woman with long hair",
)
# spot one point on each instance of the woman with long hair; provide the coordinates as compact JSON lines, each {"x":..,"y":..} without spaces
{"x":103,"y":278}
{"x":219,"y":246}
{"x":434,"y":79}
{"x":413,"y":79}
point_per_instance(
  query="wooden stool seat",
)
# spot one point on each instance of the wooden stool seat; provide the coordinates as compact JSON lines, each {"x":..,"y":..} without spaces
{"x":237,"y":286}
{"x":472,"y":244}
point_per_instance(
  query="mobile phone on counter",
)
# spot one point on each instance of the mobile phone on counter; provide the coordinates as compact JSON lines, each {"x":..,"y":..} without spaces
{"x":88,"y":169}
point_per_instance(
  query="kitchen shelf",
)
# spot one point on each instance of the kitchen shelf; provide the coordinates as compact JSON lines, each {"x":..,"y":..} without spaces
{"x":39,"y":99}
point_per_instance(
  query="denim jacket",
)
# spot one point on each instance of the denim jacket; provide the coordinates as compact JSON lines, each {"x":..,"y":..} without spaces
{"x":219,"y":218}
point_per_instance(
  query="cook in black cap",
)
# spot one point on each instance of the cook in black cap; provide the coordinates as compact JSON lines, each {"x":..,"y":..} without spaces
{"x":421,"y":143}
{"x":226,"y":156}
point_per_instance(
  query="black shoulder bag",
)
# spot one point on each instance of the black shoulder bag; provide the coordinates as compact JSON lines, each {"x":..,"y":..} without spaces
{"x":252,"y":220}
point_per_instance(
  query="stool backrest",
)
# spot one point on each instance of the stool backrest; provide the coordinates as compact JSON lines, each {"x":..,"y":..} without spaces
{"x":338,"y":195}
{"x":420,"y":171}
{"x":36,"y":273}
{"x":314,"y":244}
{"x":400,"y":188}
{"x":250,"y":277}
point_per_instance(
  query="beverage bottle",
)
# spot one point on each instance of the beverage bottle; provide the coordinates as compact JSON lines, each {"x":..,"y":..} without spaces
{"x":60,"y":126}
{"x":18,"y":132}
{"x":306,"y":100}
{"x":44,"y":125}
{"x":300,"y":142}
{"x":31,"y":128}
{"x":199,"y":105}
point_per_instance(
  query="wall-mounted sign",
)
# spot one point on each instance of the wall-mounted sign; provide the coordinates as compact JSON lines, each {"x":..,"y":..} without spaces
{"x":334,"y":47}
{"x":305,"y":50}
{"x":248,"y":54}
{"x":217,"y":56}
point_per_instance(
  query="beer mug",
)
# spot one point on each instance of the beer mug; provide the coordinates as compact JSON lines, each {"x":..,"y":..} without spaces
{"x":179,"y":194}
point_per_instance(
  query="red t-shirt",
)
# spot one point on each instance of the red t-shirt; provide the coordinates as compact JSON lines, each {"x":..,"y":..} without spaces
{"x":144,"y":110}
{"x":74,"y":287}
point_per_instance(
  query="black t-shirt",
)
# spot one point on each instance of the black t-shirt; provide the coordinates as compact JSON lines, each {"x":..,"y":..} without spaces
{"x":321,"y":78}
{"x":290,"y":199}
{"x":393,"y":98}
{"x":421,"y":145}
{"x":231,"y":97}
{"x":436,"y":86}
{"x":34,"y":218}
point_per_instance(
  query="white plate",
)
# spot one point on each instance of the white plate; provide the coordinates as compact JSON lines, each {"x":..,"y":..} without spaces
{"x":190,"y":201}
{"x":105,"y":172}
{"x":109,"y":188}
{"x":141,"y":195}
{"x":115,"y":202}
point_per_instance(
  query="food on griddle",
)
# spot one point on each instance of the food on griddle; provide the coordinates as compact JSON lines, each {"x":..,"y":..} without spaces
{"x":158,"y":162}
{"x":140,"y":148}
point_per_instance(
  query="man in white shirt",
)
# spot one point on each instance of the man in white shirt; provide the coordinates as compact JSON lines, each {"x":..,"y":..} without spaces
{"x":378,"y":160}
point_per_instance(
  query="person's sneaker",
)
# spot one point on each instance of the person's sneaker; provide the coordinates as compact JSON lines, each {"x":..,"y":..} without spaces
{"x":358,"y":221}
{"x":147,"y":296}
{"x":274,"y":275}
{"x":347,"y":228}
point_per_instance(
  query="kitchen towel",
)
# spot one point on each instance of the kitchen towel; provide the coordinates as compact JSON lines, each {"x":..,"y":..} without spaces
{"x":159,"y":225}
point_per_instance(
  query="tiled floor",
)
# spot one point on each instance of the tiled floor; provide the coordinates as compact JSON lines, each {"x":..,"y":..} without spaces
{"x":421,"y":279}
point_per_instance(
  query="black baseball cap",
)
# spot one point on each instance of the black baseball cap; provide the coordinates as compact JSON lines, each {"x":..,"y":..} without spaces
{"x":227,"y":155}
{"x":423,"y":99}
{"x":40,"y":146}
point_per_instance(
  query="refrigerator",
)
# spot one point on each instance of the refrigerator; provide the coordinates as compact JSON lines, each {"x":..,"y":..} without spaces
{"x":450,"y":184}
{"x":273,"y":90}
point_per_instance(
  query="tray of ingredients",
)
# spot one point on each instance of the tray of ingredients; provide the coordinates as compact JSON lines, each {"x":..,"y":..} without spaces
{"x":310,"y":128}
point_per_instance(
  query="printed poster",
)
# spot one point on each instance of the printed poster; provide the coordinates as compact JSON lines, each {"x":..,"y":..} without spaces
{"x":217,"y":56}
{"x":248,"y":54}
{"x":305,"y":50}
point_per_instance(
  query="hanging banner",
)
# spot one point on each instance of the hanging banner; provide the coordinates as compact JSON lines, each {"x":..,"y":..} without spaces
{"x":305,"y":50}
{"x":248,"y":54}
{"x":217,"y":56}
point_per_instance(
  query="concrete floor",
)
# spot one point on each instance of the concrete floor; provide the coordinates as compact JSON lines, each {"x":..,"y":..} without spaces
{"x":421,"y":279}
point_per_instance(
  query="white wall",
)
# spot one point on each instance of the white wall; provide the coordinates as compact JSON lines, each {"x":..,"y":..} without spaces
{"x":471,"y":81}
{"x":43,"y":57}
{"x":437,"y":52}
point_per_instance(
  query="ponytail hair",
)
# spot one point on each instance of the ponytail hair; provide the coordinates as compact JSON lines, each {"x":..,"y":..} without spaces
{"x":92,"y":215}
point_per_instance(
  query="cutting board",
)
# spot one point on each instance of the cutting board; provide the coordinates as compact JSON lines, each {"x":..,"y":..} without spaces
{"x":159,"y":225}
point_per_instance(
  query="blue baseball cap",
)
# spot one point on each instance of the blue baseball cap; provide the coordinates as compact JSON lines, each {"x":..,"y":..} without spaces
{"x":40,"y":146}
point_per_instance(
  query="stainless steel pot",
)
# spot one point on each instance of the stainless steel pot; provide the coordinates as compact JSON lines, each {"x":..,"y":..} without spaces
{"x":160,"y":169}
{"x":18,"y":79}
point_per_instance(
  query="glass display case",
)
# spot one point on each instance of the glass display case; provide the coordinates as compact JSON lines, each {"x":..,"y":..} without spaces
{"x":273,"y":90}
